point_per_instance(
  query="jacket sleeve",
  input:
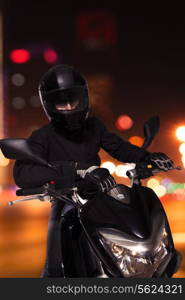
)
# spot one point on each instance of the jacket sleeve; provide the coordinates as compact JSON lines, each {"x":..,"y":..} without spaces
{"x":120,"y":149}
{"x":28,"y":174}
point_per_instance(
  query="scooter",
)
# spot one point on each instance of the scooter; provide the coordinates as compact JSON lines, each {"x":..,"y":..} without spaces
{"x":121,"y":233}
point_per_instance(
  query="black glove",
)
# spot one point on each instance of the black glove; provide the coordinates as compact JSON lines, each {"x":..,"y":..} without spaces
{"x":69,"y":171}
{"x":87,"y":189}
{"x":159,"y":161}
{"x":81,"y":168}
{"x":102,"y":178}
{"x":70,"y":166}
{"x":143,"y":171}
{"x":65,"y":174}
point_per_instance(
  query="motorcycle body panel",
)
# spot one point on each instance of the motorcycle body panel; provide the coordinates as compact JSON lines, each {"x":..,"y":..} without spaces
{"x":79,"y":259}
{"x":141,"y":221}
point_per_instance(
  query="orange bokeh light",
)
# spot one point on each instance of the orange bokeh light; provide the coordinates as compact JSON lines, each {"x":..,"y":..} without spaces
{"x":136,"y":140}
{"x":124,"y":122}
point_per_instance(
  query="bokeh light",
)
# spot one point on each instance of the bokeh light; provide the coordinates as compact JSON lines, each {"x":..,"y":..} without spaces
{"x":124,"y":122}
{"x":136,"y":140}
{"x":18,"y":103}
{"x":121,"y":170}
{"x":3,"y":160}
{"x":180,"y":133}
{"x":152,"y":183}
{"x":182,"y":148}
{"x":166,"y":182}
{"x":50,"y":56}
{"x":109,"y":165}
{"x":174,"y":186}
{"x":18,"y":79}
{"x":20,"y":56}
{"x":183,"y":160}
{"x":160,"y":190}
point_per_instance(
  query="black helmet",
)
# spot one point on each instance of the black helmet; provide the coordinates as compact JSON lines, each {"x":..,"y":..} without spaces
{"x":64,"y":96}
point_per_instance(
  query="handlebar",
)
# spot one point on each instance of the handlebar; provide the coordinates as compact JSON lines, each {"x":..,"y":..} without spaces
{"x":41,"y":190}
{"x":133,"y":173}
{"x":47,"y":193}
{"x":30,"y":191}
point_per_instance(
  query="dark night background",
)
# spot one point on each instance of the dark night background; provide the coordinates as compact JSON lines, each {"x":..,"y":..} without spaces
{"x":145,"y":64}
{"x":138,"y":71}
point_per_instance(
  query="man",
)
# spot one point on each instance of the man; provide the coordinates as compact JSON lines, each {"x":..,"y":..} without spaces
{"x":72,"y":141}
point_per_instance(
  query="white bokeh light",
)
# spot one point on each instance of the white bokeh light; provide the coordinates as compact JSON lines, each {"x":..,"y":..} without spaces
{"x":18,"y":102}
{"x":182,"y":148}
{"x":183,"y":160}
{"x":18,"y":79}
{"x":121,"y":169}
{"x":180,"y":133}
{"x":152,"y":183}
{"x":160,"y":190}
{"x":109,"y":165}
{"x":3,"y":160}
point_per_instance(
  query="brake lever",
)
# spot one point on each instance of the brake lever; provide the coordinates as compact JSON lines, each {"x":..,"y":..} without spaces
{"x":41,"y":197}
{"x":178,"y":168}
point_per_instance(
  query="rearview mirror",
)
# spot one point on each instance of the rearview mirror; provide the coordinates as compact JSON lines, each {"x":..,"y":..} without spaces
{"x":151,"y":127}
{"x":21,"y":149}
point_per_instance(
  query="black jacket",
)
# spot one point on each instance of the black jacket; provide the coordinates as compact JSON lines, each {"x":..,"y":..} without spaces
{"x":55,"y":147}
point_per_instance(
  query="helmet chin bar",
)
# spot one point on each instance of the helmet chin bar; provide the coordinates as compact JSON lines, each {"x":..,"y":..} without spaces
{"x":69,"y":122}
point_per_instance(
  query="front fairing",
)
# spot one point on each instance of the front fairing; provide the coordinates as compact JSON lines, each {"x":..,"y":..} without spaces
{"x":140,"y":220}
{"x":132,"y":217}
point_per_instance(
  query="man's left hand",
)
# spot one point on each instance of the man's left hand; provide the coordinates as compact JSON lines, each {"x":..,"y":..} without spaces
{"x":160,"y":161}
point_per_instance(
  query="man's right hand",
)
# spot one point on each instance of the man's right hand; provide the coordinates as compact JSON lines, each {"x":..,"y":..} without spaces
{"x":93,"y":174}
{"x":101,"y":177}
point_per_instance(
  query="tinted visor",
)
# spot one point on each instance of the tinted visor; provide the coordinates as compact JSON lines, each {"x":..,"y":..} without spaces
{"x":69,"y":99}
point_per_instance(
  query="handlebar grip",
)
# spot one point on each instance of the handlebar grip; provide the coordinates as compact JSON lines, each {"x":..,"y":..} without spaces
{"x":30,"y":191}
{"x":131,"y":173}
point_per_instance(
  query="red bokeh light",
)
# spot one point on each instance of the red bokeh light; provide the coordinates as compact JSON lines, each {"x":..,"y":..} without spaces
{"x":20,"y":56}
{"x":98,"y":25}
{"x":50,"y":56}
{"x":123,"y":122}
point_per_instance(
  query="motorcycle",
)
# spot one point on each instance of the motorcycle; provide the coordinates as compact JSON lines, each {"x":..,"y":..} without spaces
{"x":121,"y":233}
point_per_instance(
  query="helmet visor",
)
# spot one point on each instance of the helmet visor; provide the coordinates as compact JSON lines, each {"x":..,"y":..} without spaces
{"x":73,"y":99}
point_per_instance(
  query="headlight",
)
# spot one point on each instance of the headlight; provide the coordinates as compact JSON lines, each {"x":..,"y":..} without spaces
{"x":136,"y":258}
